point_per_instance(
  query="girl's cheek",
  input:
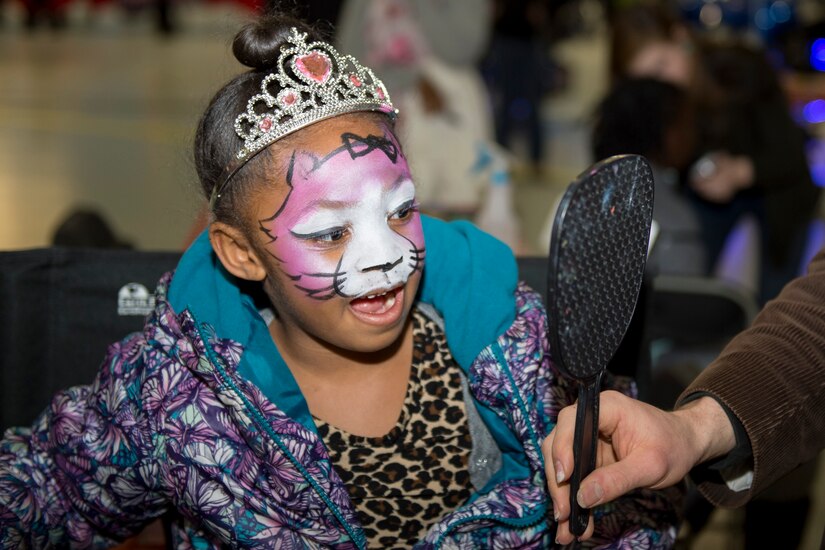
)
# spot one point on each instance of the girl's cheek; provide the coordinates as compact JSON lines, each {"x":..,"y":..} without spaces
{"x":414,"y":232}
{"x":300,"y":258}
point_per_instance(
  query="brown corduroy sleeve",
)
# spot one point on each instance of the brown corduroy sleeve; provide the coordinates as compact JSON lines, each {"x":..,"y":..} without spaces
{"x":772,"y":377}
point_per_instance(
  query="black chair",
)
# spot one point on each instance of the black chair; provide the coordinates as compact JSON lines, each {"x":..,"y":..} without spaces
{"x":679,"y":326}
{"x":61,"y":308}
{"x":690,"y":320}
{"x":697,"y":310}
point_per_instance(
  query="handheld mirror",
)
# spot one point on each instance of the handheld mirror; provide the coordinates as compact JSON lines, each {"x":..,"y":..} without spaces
{"x":598,"y":252}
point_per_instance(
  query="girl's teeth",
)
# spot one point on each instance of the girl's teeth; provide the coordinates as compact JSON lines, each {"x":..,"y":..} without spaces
{"x":376,"y":304}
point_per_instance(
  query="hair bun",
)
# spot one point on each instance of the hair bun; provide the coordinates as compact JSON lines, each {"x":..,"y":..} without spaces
{"x":258,"y":44}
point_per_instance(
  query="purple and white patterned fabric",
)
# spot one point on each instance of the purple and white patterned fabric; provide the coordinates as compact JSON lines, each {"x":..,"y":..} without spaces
{"x":169,"y":424}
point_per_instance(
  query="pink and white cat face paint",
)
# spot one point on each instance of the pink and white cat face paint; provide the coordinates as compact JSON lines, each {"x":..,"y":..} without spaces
{"x":349,"y":225}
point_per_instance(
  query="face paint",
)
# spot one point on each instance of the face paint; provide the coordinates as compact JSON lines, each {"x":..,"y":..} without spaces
{"x":349,"y":225}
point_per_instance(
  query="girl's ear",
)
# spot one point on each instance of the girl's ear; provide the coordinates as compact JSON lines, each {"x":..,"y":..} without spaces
{"x":235,"y":252}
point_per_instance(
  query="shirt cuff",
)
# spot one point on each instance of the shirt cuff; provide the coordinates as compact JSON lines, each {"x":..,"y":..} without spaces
{"x":736,"y":467}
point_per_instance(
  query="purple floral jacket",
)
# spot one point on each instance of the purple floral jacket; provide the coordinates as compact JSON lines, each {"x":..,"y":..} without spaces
{"x":170,"y":426}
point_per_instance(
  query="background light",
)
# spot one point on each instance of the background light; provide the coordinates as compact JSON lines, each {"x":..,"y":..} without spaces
{"x":814,"y":111}
{"x":818,"y":54}
{"x":780,"y":11}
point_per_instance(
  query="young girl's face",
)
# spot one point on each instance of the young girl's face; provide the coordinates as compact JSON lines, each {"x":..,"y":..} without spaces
{"x":341,"y":235}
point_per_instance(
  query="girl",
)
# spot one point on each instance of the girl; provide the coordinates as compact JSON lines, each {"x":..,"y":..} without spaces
{"x":304,"y":380}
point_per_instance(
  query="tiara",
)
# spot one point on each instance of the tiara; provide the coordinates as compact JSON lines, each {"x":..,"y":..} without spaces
{"x":316,"y":83}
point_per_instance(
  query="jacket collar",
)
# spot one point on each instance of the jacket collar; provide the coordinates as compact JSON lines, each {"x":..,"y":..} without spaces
{"x":469,"y":277}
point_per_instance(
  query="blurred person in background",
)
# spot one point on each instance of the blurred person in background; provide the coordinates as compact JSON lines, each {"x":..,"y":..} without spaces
{"x":750,"y":154}
{"x":651,"y":118}
{"x":749,"y":159}
{"x":163,"y":11}
{"x":426,"y":52}
{"x":87,"y":227}
{"x":52,"y":12}
{"x":518,"y":71}
{"x":654,"y":119}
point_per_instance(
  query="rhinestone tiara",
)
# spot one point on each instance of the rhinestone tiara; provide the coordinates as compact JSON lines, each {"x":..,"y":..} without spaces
{"x":316,"y":83}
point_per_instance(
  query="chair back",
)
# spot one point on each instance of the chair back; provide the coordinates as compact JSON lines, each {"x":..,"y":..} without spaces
{"x":699,"y":310}
{"x":61,"y":308}
{"x":691,"y":319}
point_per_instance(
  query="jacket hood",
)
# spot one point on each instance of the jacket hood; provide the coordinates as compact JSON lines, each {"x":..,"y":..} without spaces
{"x":469,"y":277}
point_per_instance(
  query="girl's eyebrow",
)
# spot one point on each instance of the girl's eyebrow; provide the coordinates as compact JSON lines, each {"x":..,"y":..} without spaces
{"x":328,"y":204}
{"x":399,"y":180}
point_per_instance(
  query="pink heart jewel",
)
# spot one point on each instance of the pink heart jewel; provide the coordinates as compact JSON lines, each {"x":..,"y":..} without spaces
{"x":314,"y":65}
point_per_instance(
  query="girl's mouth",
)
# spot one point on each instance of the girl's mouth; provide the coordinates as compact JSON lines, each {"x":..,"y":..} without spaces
{"x":381,"y":307}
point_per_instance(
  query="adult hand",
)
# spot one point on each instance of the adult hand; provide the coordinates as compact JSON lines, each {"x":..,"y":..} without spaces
{"x":719,"y":176}
{"x":639,"y":446}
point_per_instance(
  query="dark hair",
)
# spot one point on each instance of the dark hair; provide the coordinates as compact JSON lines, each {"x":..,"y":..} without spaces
{"x":84,"y":227}
{"x":634,"y":27}
{"x":634,"y":118}
{"x":257,"y":46}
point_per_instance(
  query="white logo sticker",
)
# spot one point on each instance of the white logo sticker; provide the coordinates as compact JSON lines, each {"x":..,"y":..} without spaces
{"x":134,"y":299}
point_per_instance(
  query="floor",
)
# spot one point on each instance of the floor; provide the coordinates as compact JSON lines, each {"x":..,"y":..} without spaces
{"x":101,"y":115}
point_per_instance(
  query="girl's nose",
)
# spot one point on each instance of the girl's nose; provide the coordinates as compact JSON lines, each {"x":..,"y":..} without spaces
{"x":385,"y":266}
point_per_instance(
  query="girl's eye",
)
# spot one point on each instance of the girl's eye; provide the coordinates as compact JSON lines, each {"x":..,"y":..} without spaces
{"x":405,"y":211}
{"x":325,"y":236}
{"x":331,"y":236}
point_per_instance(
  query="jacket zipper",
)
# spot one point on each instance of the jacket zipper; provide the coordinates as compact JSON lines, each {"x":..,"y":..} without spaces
{"x":499,"y":355}
{"x":267,"y":429}
{"x":540,"y":514}
{"x":534,"y":519}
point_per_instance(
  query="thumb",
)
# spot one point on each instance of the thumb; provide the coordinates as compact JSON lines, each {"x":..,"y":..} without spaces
{"x":644,"y":468}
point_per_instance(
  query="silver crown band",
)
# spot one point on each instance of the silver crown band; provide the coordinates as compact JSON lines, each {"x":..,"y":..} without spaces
{"x":316,"y":83}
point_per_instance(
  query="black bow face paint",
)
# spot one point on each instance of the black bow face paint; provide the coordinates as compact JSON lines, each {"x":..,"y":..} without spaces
{"x":358,"y":146}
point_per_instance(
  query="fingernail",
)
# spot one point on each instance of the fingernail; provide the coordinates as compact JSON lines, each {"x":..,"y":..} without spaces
{"x":559,"y":472}
{"x":556,"y":515}
{"x":589,"y":496}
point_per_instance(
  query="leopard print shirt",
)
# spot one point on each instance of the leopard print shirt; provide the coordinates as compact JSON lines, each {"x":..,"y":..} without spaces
{"x":405,"y":481}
